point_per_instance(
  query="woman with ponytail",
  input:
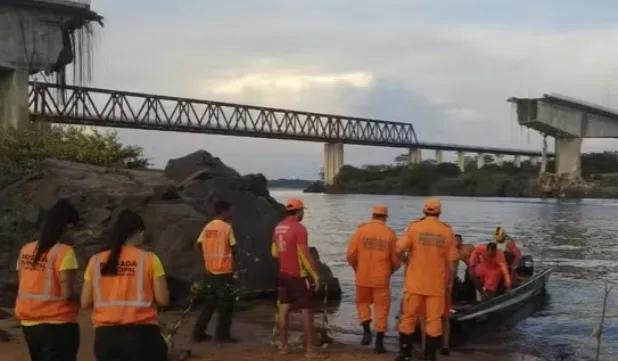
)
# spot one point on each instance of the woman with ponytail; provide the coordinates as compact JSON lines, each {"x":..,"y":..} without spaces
{"x":47,"y":304}
{"x":124,"y":285}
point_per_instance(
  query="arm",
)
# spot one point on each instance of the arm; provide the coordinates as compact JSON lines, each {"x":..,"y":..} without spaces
{"x":304,"y":255}
{"x":232,"y":240}
{"x":404,"y":243}
{"x":198,"y":242}
{"x":67,"y":276}
{"x":472,"y":262}
{"x":352,"y":253}
{"x":516,"y":252}
{"x":159,"y":283}
{"x":452,"y":257}
{"x":87,"y":299}
{"x":395,"y":259}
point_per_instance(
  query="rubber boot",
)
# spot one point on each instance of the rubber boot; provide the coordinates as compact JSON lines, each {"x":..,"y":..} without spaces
{"x":201,"y":324}
{"x":431,"y":348}
{"x":379,"y":346}
{"x":367,"y":336}
{"x":405,"y":348}
{"x":224,"y":324}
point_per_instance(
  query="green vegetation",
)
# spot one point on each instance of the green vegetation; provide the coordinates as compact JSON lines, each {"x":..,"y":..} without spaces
{"x":429,"y":177}
{"x":22,"y":150}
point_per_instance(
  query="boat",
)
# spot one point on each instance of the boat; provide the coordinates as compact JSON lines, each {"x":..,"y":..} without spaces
{"x":507,"y":302}
{"x":471,"y":318}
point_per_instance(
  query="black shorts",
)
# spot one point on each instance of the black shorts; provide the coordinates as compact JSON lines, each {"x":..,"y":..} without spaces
{"x":295,"y":291}
{"x":52,"y":342}
{"x":129,"y":342}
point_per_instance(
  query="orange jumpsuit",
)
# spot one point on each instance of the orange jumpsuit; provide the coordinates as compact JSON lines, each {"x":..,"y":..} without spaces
{"x":510,"y":246}
{"x":489,"y":270}
{"x":432,"y":246}
{"x":371,"y":253}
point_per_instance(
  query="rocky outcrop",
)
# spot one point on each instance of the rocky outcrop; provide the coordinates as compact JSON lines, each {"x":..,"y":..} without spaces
{"x":175,"y":205}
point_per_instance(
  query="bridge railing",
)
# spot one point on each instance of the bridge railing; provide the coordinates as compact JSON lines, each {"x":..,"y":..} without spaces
{"x":121,"y":109}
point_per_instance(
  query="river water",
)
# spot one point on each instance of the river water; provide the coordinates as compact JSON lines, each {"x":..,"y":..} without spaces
{"x":577,"y":238}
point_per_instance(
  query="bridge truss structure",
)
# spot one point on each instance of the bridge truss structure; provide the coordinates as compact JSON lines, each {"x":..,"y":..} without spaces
{"x":65,"y":104}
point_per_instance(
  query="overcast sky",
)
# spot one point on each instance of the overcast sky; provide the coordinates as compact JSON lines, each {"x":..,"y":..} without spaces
{"x":447,"y":66}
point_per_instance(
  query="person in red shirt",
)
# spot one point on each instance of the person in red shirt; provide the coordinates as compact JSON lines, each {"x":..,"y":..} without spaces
{"x":488,"y":264}
{"x":290,"y":246}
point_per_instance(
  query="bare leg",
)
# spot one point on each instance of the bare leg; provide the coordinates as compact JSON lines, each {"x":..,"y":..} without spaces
{"x":308,"y":329}
{"x":284,"y":315}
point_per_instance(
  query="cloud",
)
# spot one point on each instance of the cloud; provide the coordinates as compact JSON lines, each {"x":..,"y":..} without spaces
{"x":446,"y":66}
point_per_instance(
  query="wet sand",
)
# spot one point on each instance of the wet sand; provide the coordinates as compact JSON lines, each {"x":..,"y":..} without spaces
{"x":253,"y":327}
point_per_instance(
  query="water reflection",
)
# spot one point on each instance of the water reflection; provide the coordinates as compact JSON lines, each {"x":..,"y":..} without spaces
{"x":576,"y":238}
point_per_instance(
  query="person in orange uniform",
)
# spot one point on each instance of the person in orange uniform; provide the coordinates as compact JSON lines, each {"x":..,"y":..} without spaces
{"x":429,"y":278}
{"x":218,"y":247}
{"x":372,"y":254}
{"x":124,"y":285}
{"x":508,"y":246}
{"x":290,"y":246}
{"x":488,"y":264}
{"x":46,"y":304}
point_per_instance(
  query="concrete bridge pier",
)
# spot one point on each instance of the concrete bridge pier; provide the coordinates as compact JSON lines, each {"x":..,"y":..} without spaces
{"x":333,"y":161}
{"x":14,"y":111}
{"x":461,"y":161}
{"x":500,"y":159}
{"x":534,"y":161}
{"x":568,"y":155}
{"x":439,"y":156}
{"x":480,"y":160}
{"x":415,"y":156}
{"x":517,"y":161}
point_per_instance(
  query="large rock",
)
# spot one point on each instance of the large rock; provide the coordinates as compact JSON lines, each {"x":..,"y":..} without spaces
{"x":175,"y":205}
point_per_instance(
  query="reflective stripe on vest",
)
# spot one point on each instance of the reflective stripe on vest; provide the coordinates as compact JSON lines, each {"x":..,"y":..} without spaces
{"x":49,"y":274}
{"x":220,"y":251}
{"x":139,"y":291}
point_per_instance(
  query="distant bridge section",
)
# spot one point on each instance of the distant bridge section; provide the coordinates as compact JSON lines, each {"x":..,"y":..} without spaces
{"x":123,"y":109}
{"x":65,"y":104}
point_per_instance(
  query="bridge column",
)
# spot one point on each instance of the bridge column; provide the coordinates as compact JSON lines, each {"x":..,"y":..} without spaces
{"x":14,"y":98}
{"x":438,"y":156}
{"x":461,"y":161}
{"x":415,"y":156}
{"x":517,"y":162}
{"x":500,"y":159}
{"x":480,"y":161}
{"x":568,"y":155}
{"x":333,"y":161}
{"x":533,"y":161}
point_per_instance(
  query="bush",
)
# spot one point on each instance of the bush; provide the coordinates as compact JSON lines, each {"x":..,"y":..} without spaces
{"x":24,"y":149}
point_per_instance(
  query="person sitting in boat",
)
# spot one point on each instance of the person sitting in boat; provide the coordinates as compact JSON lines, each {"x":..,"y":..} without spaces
{"x":488,"y":265}
{"x":465,"y":249}
{"x":507,"y":245}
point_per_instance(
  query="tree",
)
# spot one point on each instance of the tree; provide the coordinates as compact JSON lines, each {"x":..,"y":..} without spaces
{"x":402,"y":159}
{"x":23,"y":149}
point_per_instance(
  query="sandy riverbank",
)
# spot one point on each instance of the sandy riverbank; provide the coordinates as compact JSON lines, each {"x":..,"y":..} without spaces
{"x":253,"y":327}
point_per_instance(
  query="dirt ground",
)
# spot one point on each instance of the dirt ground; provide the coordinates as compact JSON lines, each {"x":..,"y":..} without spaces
{"x":253,"y":327}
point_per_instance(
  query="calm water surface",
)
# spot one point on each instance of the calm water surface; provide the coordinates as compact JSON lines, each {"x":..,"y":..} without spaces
{"x":578,"y":239}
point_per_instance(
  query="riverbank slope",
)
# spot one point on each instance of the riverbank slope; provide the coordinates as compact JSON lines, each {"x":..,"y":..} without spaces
{"x":253,"y":327}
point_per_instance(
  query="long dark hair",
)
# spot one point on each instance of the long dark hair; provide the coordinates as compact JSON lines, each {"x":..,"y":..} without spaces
{"x":55,"y":222}
{"x":127,"y":224}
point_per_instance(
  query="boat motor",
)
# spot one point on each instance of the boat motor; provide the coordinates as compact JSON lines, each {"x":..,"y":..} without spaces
{"x":525,"y":268}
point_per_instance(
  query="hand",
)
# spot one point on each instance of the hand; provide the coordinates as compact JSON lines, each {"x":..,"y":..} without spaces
{"x":316,"y":286}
